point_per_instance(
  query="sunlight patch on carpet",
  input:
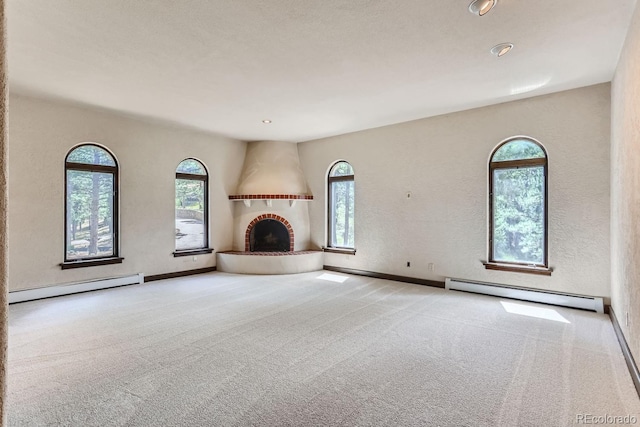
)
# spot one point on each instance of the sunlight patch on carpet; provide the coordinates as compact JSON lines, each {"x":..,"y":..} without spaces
{"x":332,"y":277}
{"x":528,"y":310}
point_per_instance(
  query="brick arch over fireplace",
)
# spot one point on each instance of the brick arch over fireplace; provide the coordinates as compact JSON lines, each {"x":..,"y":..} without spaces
{"x":253,"y":223}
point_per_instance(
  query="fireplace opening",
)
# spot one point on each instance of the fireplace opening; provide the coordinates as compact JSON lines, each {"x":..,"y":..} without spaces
{"x":269,"y":235}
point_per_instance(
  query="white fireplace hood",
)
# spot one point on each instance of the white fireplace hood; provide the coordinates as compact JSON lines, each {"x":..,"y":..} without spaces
{"x":272,"y":171}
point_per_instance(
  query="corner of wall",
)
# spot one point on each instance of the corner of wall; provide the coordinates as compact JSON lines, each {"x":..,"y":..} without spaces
{"x":625,"y":187}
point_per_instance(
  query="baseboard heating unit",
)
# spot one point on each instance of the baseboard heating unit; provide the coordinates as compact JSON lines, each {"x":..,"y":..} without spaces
{"x":73,"y":288}
{"x":547,"y":297}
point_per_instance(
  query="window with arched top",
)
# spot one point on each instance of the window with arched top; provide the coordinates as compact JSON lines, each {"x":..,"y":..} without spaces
{"x":91,"y":207}
{"x":341,"y":206}
{"x":518,"y":205}
{"x":191,"y":208}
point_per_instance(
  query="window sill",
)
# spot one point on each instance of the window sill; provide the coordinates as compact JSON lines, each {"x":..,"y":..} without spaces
{"x":90,"y":262}
{"x":543,"y":271}
{"x":346,"y":251}
{"x":191,"y":252}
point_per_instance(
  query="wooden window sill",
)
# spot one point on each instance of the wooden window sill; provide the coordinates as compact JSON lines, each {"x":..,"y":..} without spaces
{"x":190,"y":252}
{"x":543,"y":271}
{"x":90,"y":262}
{"x":346,"y":251}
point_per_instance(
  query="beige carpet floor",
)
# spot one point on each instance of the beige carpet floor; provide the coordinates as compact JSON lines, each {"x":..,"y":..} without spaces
{"x":300,"y":350}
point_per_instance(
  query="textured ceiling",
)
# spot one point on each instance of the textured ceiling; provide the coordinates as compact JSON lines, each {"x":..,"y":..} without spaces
{"x":316,"y":68}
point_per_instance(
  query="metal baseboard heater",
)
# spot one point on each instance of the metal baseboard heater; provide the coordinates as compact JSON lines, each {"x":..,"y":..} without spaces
{"x":74,"y":288}
{"x":547,"y":297}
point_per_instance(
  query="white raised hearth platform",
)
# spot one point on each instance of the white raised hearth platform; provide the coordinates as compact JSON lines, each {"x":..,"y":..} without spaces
{"x":269,"y":262}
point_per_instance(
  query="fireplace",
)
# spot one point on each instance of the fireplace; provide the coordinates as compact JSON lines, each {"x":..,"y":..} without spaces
{"x":271,"y":181}
{"x":269,"y":233}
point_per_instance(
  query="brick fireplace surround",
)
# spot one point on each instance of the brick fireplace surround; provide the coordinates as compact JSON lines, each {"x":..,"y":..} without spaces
{"x":263,"y":217}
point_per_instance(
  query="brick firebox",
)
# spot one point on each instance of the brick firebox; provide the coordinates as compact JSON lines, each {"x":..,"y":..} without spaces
{"x":262,"y":217}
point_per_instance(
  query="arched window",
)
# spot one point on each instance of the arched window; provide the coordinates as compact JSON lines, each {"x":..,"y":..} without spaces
{"x":91,"y":214}
{"x":518,"y":205}
{"x":341,"y":206}
{"x":192,"y":208}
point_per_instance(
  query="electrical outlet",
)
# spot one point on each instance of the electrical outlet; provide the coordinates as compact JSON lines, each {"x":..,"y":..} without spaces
{"x":431,"y":267}
{"x":408,"y":263}
{"x":195,"y":258}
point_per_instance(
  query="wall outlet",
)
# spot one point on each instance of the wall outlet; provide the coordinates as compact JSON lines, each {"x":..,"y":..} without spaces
{"x":195,"y":258}
{"x":408,"y":263}
{"x":431,"y":266}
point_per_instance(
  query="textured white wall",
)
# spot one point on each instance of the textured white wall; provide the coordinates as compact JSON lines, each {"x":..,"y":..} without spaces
{"x":625,"y":187}
{"x":40,"y":135}
{"x":442,"y":161}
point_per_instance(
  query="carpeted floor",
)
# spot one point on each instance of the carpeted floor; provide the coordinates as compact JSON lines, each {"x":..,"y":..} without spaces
{"x":222,"y":350}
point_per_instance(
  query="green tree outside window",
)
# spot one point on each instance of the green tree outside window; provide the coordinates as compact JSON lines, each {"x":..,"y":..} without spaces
{"x":91,"y":174}
{"x":518,"y":203}
{"x":341,"y":206}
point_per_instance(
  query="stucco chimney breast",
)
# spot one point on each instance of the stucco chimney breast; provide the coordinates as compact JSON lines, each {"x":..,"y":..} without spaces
{"x":272,"y":168}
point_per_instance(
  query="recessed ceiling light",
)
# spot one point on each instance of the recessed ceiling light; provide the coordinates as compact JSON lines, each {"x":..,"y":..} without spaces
{"x":481,"y":7}
{"x":501,"y":49}
{"x":266,"y":121}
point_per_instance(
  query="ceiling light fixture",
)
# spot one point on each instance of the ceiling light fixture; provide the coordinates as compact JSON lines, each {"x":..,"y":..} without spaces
{"x":501,"y":49}
{"x":481,"y":7}
{"x":266,"y":121}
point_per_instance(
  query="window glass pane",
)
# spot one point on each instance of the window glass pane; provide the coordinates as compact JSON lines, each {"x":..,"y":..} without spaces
{"x":91,"y":155}
{"x":517,"y":150}
{"x":90,"y":227}
{"x":518,"y":215}
{"x":341,"y":169}
{"x":342,"y":217}
{"x":191,"y":166}
{"x":190,"y":220}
